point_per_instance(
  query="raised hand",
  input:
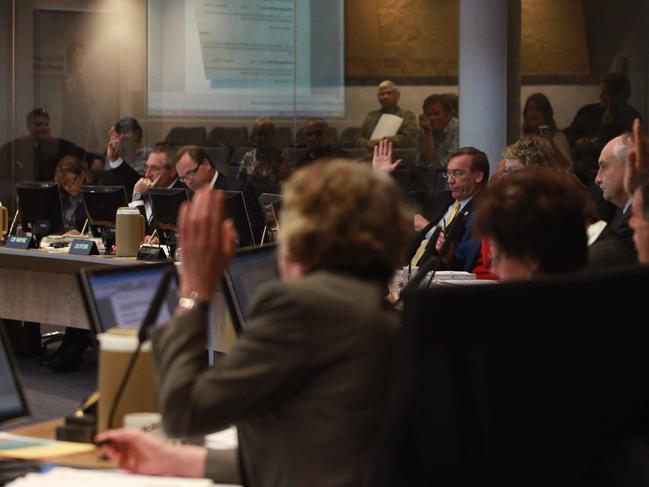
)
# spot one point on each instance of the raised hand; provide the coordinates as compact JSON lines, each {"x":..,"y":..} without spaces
{"x":382,"y":160}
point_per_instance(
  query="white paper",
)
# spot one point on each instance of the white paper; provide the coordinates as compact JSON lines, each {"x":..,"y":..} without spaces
{"x":69,"y":477}
{"x":387,"y":126}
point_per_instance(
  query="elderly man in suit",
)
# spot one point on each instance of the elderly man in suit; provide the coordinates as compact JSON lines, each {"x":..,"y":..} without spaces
{"x":615,"y":245}
{"x":449,"y":217}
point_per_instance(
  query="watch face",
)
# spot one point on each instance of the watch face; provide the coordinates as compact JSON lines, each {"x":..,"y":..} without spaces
{"x":137,"y":196}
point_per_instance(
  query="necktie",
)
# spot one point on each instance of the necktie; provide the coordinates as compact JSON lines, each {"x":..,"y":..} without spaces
{"x":451,"y":215}
{"x":420,"y":252}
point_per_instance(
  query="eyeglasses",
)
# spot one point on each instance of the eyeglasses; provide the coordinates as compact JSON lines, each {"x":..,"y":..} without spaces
{"x":189,"y":174}
{"x":455,"y":173}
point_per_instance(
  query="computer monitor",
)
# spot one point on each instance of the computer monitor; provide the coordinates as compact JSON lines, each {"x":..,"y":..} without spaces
{"x":251,"y":268}
{"x":12,"y":396}
{"x":529,"y":383}
{"x":101,"y":203}
{"x":235,"y":208}
{"x":40,"y":208}
{"x":165,"y":205}
{"x":119,"y":297}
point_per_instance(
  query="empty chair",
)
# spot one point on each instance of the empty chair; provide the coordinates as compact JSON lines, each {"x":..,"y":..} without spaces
{"x":230,"y":136}
{"x":187,"y":135}
{"x":218,"y":154}
{"x":332,"y":136}
{"x":348,"y":136}
{"x":284,"y":137}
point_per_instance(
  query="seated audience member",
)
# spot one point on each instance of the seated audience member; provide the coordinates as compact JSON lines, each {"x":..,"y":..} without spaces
{"x":160,"y":173}
{"x":615,"y":245}
{"x":388,"y":95}
{"x":265,"y":165}
{"x":538,"y":119}
{"x":439,"y":133}
{"x":449,"y":218}
{"x":195,"y":169}
{"x":312,"y":373}
{"x":124,"y":153}
{"x":36,"y":155}
{"x":598,"y":123}
{"x":318,"y":143}
{"x":535,"y":224}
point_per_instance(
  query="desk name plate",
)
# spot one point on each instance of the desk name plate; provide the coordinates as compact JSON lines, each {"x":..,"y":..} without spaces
{"x":83,"y":247}
{"x":21,"y":242}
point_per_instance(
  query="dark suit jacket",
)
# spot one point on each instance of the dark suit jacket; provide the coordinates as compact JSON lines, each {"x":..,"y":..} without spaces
{"x":149,"y":222}
{"x":306,"y":384}
{"x":454,"y":233}
{"x":251,"y":199}
{"x":127,"y":176}
{"x":615,"y":244}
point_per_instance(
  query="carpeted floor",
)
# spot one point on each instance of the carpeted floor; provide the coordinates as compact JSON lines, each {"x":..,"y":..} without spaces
{"x":52,"y":395}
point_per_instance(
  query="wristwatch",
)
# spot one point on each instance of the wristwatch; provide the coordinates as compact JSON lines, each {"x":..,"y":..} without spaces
{"x":137,"y":196}
{"x":191,"y":303}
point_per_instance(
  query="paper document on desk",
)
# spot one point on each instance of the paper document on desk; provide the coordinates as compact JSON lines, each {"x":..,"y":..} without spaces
{"x":387,"y":126}
{"x":69,"y":477}
{"x":27,"y":448}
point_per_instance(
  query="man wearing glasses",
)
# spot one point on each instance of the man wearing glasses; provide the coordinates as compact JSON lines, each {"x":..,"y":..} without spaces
{"x":160,"y":173}
{"x":197,"y":171}
{"x":449,"y":218}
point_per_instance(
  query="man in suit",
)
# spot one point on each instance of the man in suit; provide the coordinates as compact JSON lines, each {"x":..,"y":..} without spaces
{"x":124,"y":152}
{"x":160,"y":173}
{"x":615,"y":245}
{"x":310,"y":377}
{"x":197,"y":171}
{"x":448,"y":222}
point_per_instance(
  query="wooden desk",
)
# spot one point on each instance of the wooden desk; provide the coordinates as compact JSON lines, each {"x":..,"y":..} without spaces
{"x":47,"y":430}
{"x":41,"y":286}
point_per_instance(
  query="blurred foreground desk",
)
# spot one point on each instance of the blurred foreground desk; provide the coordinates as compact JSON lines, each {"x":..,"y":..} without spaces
{"x":41,"y":286}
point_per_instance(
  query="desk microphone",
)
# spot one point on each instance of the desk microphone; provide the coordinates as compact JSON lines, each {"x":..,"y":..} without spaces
{"x":433,"y":264}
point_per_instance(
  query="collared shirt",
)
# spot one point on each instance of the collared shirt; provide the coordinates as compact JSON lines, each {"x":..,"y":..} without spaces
{"x":626,"y":206}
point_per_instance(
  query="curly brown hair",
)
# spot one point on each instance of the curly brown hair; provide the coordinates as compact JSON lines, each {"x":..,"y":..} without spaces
{"x":341,"y":216}
{"x":536,"y":214}
{"x":532,"y":150}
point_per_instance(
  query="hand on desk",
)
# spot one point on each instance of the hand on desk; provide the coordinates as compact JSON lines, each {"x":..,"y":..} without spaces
{"x":146,"y":454}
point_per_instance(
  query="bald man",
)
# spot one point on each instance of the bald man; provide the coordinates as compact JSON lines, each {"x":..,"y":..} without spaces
{"x":615,"y":244}
{"x":388,"y":95}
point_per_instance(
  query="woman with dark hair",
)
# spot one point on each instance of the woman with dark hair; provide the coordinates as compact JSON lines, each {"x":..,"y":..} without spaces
{"x":535,"y":223}
{"x":538,"y":119}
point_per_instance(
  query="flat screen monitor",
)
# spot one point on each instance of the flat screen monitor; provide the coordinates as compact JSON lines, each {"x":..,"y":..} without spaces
{"x":102,"y":202}
{"x":235,"y":208}
{"x":119,"y":297}
{"x":529,"y":383}
{"x":40,"y":208}
{"x":251,"y":268}
{"x":165,"y":204}
{"x":12,"y":397}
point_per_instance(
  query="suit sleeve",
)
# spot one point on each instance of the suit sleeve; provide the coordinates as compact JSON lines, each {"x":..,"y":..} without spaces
{"x":265,"y":365}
